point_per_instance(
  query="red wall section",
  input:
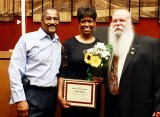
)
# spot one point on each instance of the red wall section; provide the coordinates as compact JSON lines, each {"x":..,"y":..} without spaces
{"x":149,"y":27}
{"x":10,"y":31}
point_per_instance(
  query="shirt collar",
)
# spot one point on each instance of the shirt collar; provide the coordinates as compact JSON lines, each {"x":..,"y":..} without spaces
{"x":43,"y":34}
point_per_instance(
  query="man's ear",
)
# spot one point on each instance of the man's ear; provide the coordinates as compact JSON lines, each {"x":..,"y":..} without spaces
{"x":41,"y":20}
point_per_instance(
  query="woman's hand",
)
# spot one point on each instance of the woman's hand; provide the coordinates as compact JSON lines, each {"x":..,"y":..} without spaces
{"x":64,"y":103}
{"x":98,"y":80}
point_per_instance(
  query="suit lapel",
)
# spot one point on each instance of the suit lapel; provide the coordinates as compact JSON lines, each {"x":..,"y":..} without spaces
{"x":131,"y":53}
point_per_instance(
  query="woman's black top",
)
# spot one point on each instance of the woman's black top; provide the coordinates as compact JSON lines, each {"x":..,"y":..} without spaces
{"x":74,"y":67}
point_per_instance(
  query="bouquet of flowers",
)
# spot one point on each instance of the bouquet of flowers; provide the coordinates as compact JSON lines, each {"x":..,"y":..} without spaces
{"x":97,"y":59}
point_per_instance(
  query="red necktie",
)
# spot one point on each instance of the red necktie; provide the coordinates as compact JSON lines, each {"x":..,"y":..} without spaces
{"x":113,"y":79}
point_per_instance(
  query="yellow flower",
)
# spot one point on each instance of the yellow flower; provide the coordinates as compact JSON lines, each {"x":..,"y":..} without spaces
{"x":95,"y":61}
{"x":87,"y":57}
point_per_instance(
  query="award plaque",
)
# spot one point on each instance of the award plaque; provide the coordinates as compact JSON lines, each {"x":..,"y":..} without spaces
{"x":80,"y":93}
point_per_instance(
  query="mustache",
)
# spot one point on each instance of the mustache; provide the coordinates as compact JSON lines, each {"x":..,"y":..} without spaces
{"x":52,"y":25}
{"x":126,"y":30}
{"x":119,"y":28}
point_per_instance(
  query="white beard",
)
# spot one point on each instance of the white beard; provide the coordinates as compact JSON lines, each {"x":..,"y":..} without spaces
{"x":121,"y":40}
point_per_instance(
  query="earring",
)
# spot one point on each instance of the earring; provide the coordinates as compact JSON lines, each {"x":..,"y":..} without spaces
{"x":94,"y":29}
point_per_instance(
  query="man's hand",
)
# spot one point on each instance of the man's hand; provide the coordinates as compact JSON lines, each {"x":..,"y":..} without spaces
{"x":23,"y":109}
{"x":156,"y":114}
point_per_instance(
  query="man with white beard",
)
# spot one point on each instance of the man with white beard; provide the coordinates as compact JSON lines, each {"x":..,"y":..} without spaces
{"x":136,"y":90}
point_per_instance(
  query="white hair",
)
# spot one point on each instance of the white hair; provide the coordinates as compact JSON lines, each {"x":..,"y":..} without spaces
{"x":124,"y":11}
{"x":121,"y":40}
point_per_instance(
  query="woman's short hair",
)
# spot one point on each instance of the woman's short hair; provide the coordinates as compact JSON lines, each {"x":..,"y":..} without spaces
{"x":86,"y":11}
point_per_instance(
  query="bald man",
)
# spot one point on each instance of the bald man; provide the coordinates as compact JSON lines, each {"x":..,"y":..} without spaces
{"x":138,"y":73}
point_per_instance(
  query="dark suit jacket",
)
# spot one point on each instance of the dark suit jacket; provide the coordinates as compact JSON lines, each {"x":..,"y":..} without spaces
{"x":140,"y":80}
{"x":101,"y":33}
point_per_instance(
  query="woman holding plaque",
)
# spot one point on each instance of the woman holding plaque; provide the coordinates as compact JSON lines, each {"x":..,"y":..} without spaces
{"x":73,"y":65}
